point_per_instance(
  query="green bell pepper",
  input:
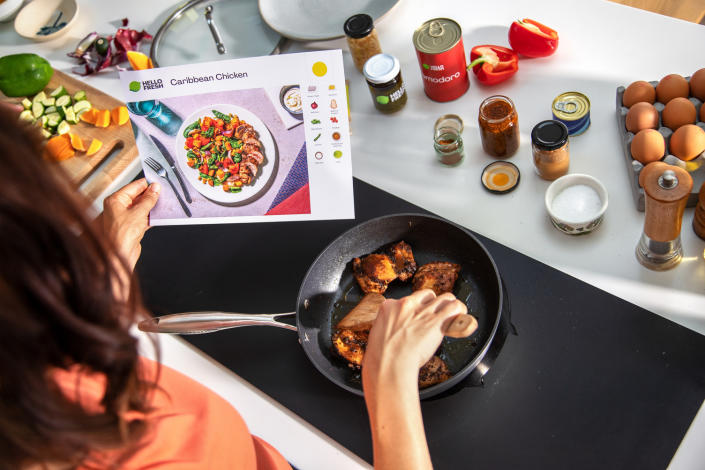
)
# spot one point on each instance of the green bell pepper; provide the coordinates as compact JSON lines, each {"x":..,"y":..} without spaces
{"x":24,"y":74}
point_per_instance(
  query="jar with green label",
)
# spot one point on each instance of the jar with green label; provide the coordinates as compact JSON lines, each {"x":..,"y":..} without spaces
{"x":383,"y":75}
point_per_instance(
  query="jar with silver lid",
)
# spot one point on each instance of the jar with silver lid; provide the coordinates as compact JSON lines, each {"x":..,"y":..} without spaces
{"x":383,"y":75}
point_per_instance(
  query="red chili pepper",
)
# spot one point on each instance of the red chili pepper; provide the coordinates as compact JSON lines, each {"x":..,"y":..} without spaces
{"x":493,"y":64}
{"x":532,"y":39}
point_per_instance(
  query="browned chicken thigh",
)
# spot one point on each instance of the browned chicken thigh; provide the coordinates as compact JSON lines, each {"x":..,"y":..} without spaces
{"x":403,"y":259}
{"x":440,"y":277}
{"x":374,"y":272}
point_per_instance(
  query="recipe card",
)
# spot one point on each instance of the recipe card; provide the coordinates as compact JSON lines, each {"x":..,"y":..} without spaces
{"x":245,"y":140}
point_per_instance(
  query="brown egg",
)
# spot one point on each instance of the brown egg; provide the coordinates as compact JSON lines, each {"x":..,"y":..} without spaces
{"x":702,"y":113}
{"x":687,"y":142}
{"x":641,"y":116}
{"x":671,"y":86}
{"x":678,"y":112}
{"x":697,"y":85}
{"x":648,"y":146}
{"x":637,"y":92}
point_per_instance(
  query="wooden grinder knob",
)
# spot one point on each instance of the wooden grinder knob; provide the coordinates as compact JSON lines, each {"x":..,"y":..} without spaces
{"x":667,"y":188}
{"x":699,"y":217}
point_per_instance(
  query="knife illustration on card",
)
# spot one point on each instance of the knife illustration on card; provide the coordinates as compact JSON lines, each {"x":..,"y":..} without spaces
{"x":172,"y":164}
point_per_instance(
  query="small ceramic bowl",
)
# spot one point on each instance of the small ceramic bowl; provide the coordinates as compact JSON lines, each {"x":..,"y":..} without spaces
{"x":8,"y":8}
{"x":576,"y":203}
{"x":43,"y":20}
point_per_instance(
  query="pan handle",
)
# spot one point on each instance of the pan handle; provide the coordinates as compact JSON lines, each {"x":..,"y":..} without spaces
{"x":193,"y":323}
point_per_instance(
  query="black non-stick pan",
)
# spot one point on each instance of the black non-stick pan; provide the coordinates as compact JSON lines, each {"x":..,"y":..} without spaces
{"x":329,"y":292}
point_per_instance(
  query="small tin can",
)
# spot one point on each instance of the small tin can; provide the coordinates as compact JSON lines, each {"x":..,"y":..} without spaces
{"x":572,"y":109}
{"x":439,"y":48}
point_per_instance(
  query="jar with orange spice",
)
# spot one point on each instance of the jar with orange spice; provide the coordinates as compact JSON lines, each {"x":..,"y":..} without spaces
{"x":362,"y":39}
{"x":499,"y":126}
{"x":549,"y":146}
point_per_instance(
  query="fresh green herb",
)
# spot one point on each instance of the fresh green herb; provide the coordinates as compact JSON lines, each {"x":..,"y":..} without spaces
{"x":315,"y":121}
{"x":234,"y":190}
{"x":209,"y":132}
{"x":237,"y":158}
{"x":190,"y":127}
{"x":222,"y":116}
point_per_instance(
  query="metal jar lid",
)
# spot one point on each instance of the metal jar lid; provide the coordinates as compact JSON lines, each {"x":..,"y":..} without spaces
{"x":207,"y":30}
{"x":381,"y":68}
{"x":549,"y":135}
{"x":437,"y":35}
{"x":358,"y":26}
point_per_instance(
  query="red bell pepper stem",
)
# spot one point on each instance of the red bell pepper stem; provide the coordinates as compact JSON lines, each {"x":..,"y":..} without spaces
{"x":493,"y":64}
{"x":532,"y":39}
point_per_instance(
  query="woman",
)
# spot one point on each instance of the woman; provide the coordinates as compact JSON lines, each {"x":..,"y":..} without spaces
{"x":74,"y":393}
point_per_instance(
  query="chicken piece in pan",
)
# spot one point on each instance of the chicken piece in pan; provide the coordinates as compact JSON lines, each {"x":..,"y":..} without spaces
{"x":374,"y":272}
{"x":403,"y":259}
{"x":440,"y":277}
{"x":433,"y":372}
{"x":350,"y":345}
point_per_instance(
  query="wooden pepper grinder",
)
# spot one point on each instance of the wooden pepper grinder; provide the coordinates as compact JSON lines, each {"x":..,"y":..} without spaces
{"x":666,"y":188}
{"x":699,"y":217}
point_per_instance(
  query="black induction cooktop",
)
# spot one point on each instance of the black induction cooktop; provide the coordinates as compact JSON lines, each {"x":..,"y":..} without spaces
{"x":585,"y":381}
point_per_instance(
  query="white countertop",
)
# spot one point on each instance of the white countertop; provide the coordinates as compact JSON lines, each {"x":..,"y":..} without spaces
{"x":602,"y":45}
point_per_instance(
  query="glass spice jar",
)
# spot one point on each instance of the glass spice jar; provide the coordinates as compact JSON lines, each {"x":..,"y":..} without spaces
{"x":362,"y":39}
{"x":499,"y":126}
{"x":549,"y":146}
{"x":448,"y":145}
{"x":383,"y":75}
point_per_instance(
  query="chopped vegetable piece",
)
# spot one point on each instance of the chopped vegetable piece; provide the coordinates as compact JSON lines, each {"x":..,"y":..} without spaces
{"x":77,"y":142}
{"x":51,"y":110}
{"x":26,"y":103}
{"x":59,"y":91}
{"x":532,"y":39}
{"x":46,"y":133}
{"x":493,"y":64}
{"x":39,"y":97}
{"x":37,"y":109}
{"x":49,"y":102}
{"x":53,"y":119}
{"x":79,"y":95}
{"x":81,"y":106}
{"x":70,"y":116}
{"x":139,"y":61}
{"x":94,"y":147}
{"x":59,"y":148}
{"x":120,"y":115}
{"x":102,"y":118}
{"x":26,"y":115}
{"x":64,"y":100}
{"x":88,"y":116}
{"x":63,"y":128}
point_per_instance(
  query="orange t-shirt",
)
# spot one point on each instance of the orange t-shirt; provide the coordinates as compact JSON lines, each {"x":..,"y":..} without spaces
{"x":190,"y":426}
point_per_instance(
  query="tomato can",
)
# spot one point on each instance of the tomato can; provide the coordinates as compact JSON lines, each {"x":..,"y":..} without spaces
{"x":439,"y":48}
{"x":572,"y":109}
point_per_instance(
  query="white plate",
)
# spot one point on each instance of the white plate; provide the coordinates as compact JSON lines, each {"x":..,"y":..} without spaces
{"x":41,"y":13}
{"x":266,"y":171}
{"x":316,"y":20}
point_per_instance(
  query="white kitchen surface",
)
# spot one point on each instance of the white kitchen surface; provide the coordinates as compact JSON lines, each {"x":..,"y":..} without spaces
{"x":602,"y":45}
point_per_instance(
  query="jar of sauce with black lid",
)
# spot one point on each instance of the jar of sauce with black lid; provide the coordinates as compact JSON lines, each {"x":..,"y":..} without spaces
{"x":549,"y":146}
{"x":383,"y":75}
{"x":362,"y":39}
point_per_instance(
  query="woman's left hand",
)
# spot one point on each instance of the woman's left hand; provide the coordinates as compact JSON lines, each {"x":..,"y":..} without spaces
{"x":126,"y":217}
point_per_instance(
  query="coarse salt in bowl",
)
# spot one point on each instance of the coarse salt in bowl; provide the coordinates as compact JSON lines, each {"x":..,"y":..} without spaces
{"x":576,"y":203}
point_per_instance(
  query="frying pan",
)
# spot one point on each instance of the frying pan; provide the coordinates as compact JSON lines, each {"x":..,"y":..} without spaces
{"x":329,"y":291}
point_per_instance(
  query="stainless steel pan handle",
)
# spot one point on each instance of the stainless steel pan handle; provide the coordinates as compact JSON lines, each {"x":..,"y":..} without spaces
{"x":192,"y":323}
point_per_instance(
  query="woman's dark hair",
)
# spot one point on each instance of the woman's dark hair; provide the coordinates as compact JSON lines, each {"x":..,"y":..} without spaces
{"x":60,"y":308}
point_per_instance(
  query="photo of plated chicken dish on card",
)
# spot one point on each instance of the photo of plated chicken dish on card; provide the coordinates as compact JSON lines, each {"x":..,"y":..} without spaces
{"x":226,"y":153}
{"x":374,"y":273}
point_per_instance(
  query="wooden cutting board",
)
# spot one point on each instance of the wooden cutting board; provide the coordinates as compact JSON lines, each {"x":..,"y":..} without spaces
{"x":120,"y":138}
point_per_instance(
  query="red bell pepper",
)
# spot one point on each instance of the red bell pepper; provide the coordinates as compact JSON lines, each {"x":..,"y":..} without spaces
{"x":493,"y":64}
{"x":532,"y":39}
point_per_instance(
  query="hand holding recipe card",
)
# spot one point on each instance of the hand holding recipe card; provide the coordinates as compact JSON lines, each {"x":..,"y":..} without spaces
{"x":214,"y":135}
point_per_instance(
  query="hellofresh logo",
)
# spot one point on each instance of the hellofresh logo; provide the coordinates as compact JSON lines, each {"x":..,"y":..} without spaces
{"x":135,"y":86}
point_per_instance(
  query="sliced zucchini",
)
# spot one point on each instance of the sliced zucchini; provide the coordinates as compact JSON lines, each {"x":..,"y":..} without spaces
{"x":46,"y":133}
{"x":64,"y":100}
{"x":83,"y":105}
{"x":49,"y":102}
{"x":53,"y":119}
{"x":70,"y":115}
{"x":43,"y":121}
{"x":26,"y":104}
{"x":27,"y":115}
{"x":37,"y":109}
{"x":79,"y":95}
{"x":60,"y":91}
{"x":63,"y":128}
{"x":39,"y":97}
{"x":50,"y":109}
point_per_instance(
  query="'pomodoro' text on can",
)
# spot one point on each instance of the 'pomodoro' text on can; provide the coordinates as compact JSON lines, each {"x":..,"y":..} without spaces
{"x":439,"y":47}
{"x":572,"y":109}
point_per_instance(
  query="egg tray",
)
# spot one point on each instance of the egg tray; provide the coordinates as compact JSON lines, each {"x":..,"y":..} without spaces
{"x":695,"y":167}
